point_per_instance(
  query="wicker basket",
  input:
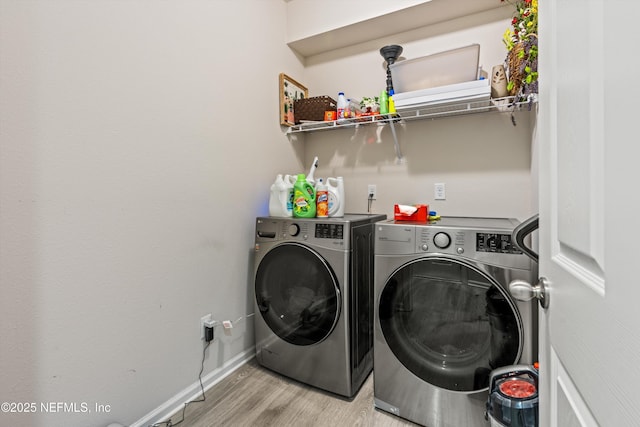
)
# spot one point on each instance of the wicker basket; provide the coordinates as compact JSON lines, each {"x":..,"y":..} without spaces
{"x":313,"y":108}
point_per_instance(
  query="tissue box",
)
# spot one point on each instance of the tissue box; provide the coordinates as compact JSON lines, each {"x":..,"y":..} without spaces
{"x":420,"y":215}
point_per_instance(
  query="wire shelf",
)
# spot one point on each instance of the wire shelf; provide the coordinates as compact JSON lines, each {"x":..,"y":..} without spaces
{"x":506,"y":105}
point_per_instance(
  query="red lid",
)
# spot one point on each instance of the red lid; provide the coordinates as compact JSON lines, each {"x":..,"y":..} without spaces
{"x":518,"y":388}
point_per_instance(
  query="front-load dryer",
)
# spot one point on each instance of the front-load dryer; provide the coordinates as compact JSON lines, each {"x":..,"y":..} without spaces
{"x":444,"y":318}
{"x":314,"y":299}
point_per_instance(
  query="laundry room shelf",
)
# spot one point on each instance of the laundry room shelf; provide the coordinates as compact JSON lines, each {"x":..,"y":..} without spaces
{"x":443,"y":109}
{"x":448,"y":109}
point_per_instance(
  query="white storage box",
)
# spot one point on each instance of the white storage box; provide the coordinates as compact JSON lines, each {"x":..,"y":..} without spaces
{"x":477,"y":92}
{"x":440,"y":69}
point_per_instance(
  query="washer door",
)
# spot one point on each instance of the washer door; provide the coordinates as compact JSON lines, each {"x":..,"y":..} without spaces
{"x":297,"y":294}
{"x":449,"y":323}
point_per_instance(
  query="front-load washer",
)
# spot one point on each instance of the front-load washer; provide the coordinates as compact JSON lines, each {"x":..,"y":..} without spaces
{"x":444,"y":318}
{"x":314,"y":299}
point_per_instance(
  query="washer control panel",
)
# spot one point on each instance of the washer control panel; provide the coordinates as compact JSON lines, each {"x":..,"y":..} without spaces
{"x":496,"y":242}
{"x":329,"y":231}
{"x":327,"y":234}
{"x":478,"y":239}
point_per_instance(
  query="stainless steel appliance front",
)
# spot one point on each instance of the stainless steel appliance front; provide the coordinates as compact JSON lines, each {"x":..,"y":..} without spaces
{"x":314,"y":299}
{"x":444,"y":318}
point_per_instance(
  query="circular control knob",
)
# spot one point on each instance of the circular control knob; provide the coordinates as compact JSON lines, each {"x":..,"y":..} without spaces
{"x":442,"y":240}
{"x":294,"y":229}
{"x":460,"y":250}
{"x":424,"y":247}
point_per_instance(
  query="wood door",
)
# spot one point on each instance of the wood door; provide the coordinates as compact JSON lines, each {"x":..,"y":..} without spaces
{"x":588,"y":145}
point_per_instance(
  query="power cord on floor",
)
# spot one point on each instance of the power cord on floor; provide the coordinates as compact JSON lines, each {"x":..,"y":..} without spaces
{"x":170,"y":423}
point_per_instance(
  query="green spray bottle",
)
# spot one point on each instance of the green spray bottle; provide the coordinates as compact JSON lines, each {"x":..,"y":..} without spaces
{"x":384,"y":102}
{"x":304,"y":198}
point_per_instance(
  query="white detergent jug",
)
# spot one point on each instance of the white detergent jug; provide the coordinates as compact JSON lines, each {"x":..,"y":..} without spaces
{"x":336,"y":196}
{"x":279,"y":198}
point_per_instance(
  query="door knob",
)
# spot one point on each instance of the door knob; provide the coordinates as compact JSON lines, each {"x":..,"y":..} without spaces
{"x":524,"y":291}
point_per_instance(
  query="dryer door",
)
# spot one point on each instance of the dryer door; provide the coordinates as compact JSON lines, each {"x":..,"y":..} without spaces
{"x":297,"y":294}
{"x":449,"y":323}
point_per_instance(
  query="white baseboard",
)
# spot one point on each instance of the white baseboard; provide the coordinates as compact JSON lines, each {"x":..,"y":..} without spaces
{"x":193,"y":392}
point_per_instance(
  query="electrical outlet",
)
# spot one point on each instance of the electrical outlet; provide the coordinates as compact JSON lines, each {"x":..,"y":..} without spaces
{"x":203,"y":320}
{"x":371,"y":191}
{"x":439,"y":191}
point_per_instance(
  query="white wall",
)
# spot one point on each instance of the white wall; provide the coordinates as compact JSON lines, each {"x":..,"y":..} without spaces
{"x":138,"y":140}
{"x":483,"y":159}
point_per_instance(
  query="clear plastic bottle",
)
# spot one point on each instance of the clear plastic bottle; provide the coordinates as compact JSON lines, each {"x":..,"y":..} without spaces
{"x":342,"y":105}
{"x":354,"y":108}
{"x":347,"y":109}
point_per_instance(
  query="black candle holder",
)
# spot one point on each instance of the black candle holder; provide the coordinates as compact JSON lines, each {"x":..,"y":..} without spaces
{"x":390,"y":54}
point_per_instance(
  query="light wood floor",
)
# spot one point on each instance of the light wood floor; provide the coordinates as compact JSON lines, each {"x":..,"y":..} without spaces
{"x":254,"y":396}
